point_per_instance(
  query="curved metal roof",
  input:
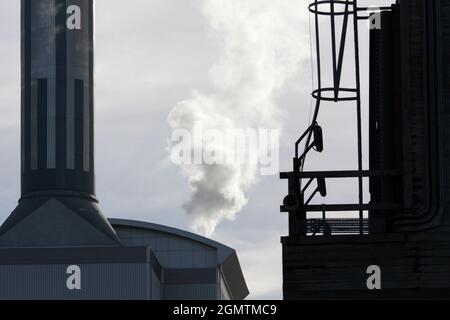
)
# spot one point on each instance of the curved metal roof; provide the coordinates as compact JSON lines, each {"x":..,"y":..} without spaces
{"x":223,"y":251}
{"x":227,"y":259}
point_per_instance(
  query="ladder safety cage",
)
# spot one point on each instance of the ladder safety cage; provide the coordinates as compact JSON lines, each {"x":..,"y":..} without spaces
{"x":297,"y":203}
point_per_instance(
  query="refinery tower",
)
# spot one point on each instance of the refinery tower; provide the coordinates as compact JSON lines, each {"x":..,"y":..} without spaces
{"x":57,"y":244}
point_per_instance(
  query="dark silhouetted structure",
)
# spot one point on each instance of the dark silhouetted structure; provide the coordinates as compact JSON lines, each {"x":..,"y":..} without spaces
{"x":405,"y":227}
{"x":58,"y":205}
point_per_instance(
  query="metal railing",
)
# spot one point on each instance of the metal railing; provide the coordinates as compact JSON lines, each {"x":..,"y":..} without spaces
{"x":328,"y":227}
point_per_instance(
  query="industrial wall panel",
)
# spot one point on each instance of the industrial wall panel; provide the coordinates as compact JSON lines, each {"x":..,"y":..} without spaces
{"x":224,"y":292}
{"x":34,"y":125}
{"x":413,"y":268}
{"x":160,"y":240}
{"x":86,"y":130}
{"x":51,"y":124}
{"x":42,"y":123}
{"x":186,"y":259}
{"x":190,"y":276}
{"x":70,"y":125}
{"x":171,"y":251}
{"x":191,"y":292}
{"x":98,"y":281}
{"x":156,"y":287}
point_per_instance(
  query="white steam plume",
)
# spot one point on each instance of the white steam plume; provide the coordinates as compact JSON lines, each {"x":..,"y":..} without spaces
{"x":262,"y":47}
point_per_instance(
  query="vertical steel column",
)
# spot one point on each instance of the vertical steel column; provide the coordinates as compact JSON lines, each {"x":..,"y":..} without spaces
{"x":358,"y":111}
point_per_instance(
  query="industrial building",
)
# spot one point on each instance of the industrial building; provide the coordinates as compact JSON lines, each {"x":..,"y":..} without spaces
{"x":154,"y":262}
{"x":398,"y":245}
{"x":57,"y":244}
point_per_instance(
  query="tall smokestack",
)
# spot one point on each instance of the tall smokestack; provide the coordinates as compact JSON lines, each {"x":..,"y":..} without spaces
{"x":58,"y":204}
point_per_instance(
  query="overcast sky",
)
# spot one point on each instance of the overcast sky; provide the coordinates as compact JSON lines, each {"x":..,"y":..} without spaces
{"x":150,"y":55}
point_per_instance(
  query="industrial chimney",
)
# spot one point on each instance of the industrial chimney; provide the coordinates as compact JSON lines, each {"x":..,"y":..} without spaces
{"x":58,"y":206}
